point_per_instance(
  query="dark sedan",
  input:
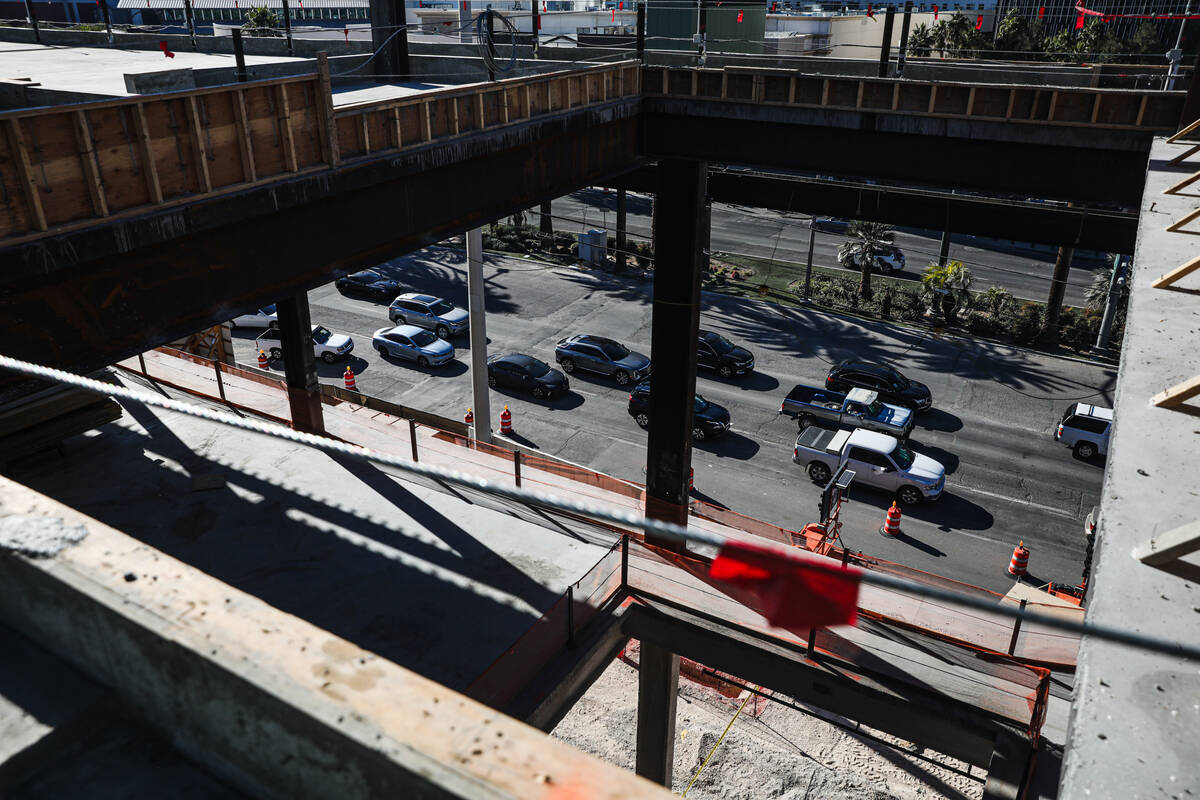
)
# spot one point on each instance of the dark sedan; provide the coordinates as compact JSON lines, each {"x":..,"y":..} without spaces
{"x":708,"y":419}
{"x":714,"y":351}
{"x":519,"y":371}
{"x":368,"y":283}
{"x":892,"y":386}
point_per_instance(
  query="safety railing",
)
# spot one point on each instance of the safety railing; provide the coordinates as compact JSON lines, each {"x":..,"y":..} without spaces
{"x":1096,"y":108}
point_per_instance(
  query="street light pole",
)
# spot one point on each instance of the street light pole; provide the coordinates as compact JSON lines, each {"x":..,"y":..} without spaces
{"x":1115,"y":282}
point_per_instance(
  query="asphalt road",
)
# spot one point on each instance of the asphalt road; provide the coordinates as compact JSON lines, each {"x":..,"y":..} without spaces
{"x":1023,"y":269}
{"x":995,"y":409}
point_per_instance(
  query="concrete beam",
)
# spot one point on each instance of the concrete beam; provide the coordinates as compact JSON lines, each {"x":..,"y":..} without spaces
{"x":1008,"y":771}
{"x":658,"y":689}
{"x":267,"y":701}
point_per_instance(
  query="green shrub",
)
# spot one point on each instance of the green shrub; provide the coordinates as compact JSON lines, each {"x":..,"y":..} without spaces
{"x":996,"y":300}
{"x":1026,"y":324}
{"x":1078,"y":330}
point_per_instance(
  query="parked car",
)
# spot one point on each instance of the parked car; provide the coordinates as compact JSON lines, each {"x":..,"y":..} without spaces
{"x":892,"y":386}
{"x":708,"y":419}
{"x":859,"y":408}
{"x":887,"y":261}
{"x":413,"y":344}
{"x":1085,"y":429}
{"x":605,"y":356}
{"x":519,"y":371}
{"x":714,"y":351}
{"x":877,"y":459}
{"x":429,"y":312}
{"x":829,"y":224}
{"x":368,"y":283}
{"x":264,"y":317}
{"x":327,"y":346}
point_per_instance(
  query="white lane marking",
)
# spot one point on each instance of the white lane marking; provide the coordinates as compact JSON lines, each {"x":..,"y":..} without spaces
{"x":1008,"y":498}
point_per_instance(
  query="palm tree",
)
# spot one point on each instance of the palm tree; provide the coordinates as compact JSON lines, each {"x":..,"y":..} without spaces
{"x":1095,"y":297}
{"x":867,"y":240}
{"x":920,"y":41}
{"x":948,"y":286}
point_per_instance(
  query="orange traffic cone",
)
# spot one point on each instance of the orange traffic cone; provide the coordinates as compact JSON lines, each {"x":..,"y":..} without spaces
{"x":506,"y":421}
{"x":262,"y":360}
{"x":891,"y":523}
{"x":1019,"y":561}
{"x":349,"y":376}
{"x":691,"y":478}
{"x":469,"y":418}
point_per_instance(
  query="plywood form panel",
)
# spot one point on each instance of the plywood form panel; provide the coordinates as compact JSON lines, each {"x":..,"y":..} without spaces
{"x":493,"y":108}
{"x":808,"y":91}
{"x":468,"y":113}
{"x":739,"y":86}
{"x":877,"y":95}
{"x":221,"y":135}
{"x":411,"y":126}
{"x":913,"y":97}
{"x":843,"y":92}
{"x":558,"y":95}
{"x":990,"y":102}
{"x":951,"y":99}
{"x":121,"y":169}
{"x":262,"y":110}
{"x":14,"y":209}
{"x":56,"y":171}
{"x":1041,"y":105}
{"x":441,"y":123}
{"x":1074,"y":107}
{"x":171,"y":148}
{"x":306,"y":125}
{"x":539,"y":98}
{"x":515,"y":96}
{"x":708,"y":84}
{"x":349,"y":128}
{"x":776,"y":88}
{"x":1162,"y":112}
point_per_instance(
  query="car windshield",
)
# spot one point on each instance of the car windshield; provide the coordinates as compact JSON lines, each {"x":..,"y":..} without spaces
{"x":440,"y":307}
{"x":537,"y":368}
{"x":903,"y":457}
{"x":1067,"y":414}
{"x":423,"y":339}
{"x":613,"y":350}
{"x":720,"y":343}
{"x":321,"y":334}
{"x":701,"y":404}
{"x":897,"y":379}
{"x":268,"y":309}
{"x":875,"y":409}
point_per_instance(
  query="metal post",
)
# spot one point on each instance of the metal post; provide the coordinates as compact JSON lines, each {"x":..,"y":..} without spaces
{"x":621,"y":240}
{"x":31,"y":18}
{"x":812,"y":236}
{"x":412,"y":438}
{"x":537,"y":27}
{"x":1110,"y":305}
{"x":885,"y":48}
{"x":142,"y":363}
{"x":570,"y":616}
{"x":517,"y":468}
{"x":479,"y":386}
{"x":1012,"y":643}
{"x":491,"y":42}
{"x":944,"y":255}
{"x":641,"y":30}
{"x":900,"y":56}
{"x":107,"y":20}
{"x":812,"y":643}
{"x":389,"y":38}
{"x":625,"y":560}
{"x":190,"y":15}
{"x":239,"y":55}
{"x":1177,"y":53}
{"x":287,"y":27}
{"x":299,"y":364}
{"x":220,"y":383}
{"x":674,"y":325}
{"x":658,"y":688}
{"x":701,"y":32}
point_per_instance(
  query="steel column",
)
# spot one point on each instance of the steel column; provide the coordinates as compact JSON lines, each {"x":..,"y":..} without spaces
{"x":885,"y":48}
{"x":190,"y":16}
{"x":389,"y":37}
{"x":903,"y":51}
{"x":299,"y":364}
{"x":658,"y":687}
{"x":641,"y":30}
{"x":679,"y":206}
{"x":239,"y":56}
{"x":944,"y":254}
{"x":287,"y":27}
{"x":479,"y":384}
{"x":31,"y":18}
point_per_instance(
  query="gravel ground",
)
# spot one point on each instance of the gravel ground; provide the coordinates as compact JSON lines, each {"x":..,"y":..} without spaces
{"x":771,"y":751}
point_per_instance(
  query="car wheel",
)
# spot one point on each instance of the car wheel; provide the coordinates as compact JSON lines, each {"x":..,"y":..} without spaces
{"x":1085,"y":450}
{"x":383,"y":351}
{"x":909,"y":495}
{"x":443,"y":332}
{"x":276,"y":353}
{"x":642,"y":419}
{"x":725,"y":370}
{"x":492,"y":381}
{"x":233,"y":323}
{"x":568,"y":364}
{"x":621,"y":376}
{"x":539,"y":392}
{"x":398,"y":320}
{"x":423,"y":362}
{"x":329,"y":358}
{"x":805,"y":420}
{"x":699,"y":434}
{"x":819,"y":472}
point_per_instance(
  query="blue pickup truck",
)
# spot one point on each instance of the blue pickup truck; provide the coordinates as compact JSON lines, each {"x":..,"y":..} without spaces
{"x":860,"y":408}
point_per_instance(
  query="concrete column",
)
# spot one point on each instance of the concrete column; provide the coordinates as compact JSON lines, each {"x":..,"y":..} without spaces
{"x":387,"y":18}
{"x":658,"y":687}
{"x":679,"y":207}
{"x":479,"y":385}
{"x":621,"y":259}
{"x":299,"y":364}
{"x":1058,"y":289}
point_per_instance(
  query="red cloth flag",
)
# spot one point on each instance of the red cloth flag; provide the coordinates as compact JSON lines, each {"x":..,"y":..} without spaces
{"x":162,"y":45}
{"x":979,"y":22}
{"x":739,"y":15}
{"x":794,"y":595}
{"x":870,"y":13}
{"x":1041,"y":12}
{"x":935,"y":12}
{"x":1079,"y":21}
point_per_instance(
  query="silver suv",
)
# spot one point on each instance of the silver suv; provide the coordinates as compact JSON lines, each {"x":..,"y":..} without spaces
{"x":1085,"y":429}
{"x":598,"y":354}
{"x":429,"y":312}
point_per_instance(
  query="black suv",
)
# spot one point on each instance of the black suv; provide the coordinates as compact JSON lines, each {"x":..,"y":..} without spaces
{"x":368,"y":283}
{"x":714,"y":351}
{"x":892,"y":386}
{"x":708,"y":419}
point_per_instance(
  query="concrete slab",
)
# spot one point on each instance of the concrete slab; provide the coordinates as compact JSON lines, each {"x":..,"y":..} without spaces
{"x":349,"y":94}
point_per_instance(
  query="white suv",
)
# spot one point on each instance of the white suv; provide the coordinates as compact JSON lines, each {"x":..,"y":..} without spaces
{"x":1085,"y":429}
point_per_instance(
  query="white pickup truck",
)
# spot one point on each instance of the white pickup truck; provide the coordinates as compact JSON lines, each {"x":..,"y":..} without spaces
{"x":877,"y":459}
{"x":327,"y":346}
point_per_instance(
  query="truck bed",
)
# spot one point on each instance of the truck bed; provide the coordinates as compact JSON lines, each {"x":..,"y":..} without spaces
{"x":822,"y":440}
{"x":802,"y":395}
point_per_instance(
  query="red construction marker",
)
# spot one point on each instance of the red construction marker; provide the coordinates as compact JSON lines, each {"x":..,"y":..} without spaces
{"x":979,"y":22}
{"x":935,"y":12}
{"x":739,"y":15}
{"x":1079,"y":21}
{"x":870,"y":13}
{"x":166,"y":50}
{"x":791,"y":594}
{"x":614,"y":19}
{"x":1041,"y":12}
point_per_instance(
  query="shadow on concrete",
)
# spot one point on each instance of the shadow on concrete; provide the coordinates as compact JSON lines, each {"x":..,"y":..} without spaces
{"x":517,"y":438}
{"x":917,"y":544}
{"x":935,"y":419}
{"x":948,"y":512}
{"x":562,"y":402}
{"x":450,"y":369}
{"x":754,"y":382}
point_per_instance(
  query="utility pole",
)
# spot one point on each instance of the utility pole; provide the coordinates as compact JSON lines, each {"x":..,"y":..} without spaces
{"x":1058,"y":288}
{"x":701,"y":37}
{"x":475,"y":310}
{"x":190,"y":16}
{"x":944,"y":255}
{"x":1116,"y":284}
{"x":107,"y":20}
{"x":1176,"y":54}
{"x":537,"y":27}
{"x":812,"y":237}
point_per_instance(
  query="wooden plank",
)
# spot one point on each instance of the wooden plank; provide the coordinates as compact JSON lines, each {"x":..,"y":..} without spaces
{"x":528,"y":102}
{"x":364,"y":130}
{"x":201,"y":152}
{"x":504,"y":105}
{"x":1183,"y":184}
{"x":1184,"y":156}
{"x":932,"y":98}
{"x":825,"y":92}
{"x":146,"y":152}
{"x":454,"y":116}
{"x":970,"y":101}
{"x":324,"y":98}
{"x":245,"y":142}
{"x":16,"y":143}
{"x":1177,"y":227}
{"x":1012,"y":99}
{"x":695,"y":81}
{"x":1175,"y":137}
{"x":396,"y":127}
{"x":1178,"y":394}
{"x":91,"y":166}
{"x":1053,"y":105}
{"x":1142,"y":111}
{"x":283,"y":110}
{"x":1174,"y":275}
{"x":1096,"y":107}
{"x":724,"y":84}
{"x":791,"y":90}
{"x":479,"y":108}
{"x":862,"y":85}
{"x":1037,"y":96}
{"x":895,"y":95}
{"x":426,"y":119}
